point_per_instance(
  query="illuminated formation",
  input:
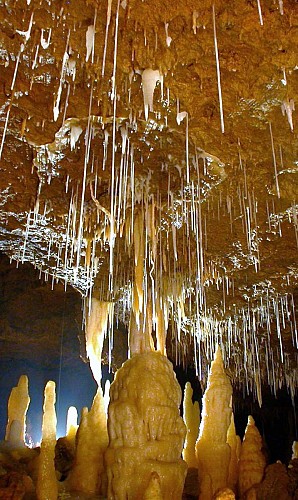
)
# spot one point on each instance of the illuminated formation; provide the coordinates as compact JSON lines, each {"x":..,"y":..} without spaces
{"x":234,"y":442}
{"x":148,"y":159}
{"x":191,"y":417}
{"x":252,"y":461}
{"x":47,"y":485}
{"x":87,"y":474}
{"x":137,"y":452}
{"x":17,"y":408}
{"x":212,"y":450}
{"x":145,"y":429}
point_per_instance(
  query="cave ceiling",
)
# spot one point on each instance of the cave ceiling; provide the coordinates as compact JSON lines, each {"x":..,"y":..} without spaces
{"x":211,"y":164}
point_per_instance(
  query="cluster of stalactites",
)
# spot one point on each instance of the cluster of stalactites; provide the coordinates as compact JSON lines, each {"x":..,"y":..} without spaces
{"x":147,"y":304}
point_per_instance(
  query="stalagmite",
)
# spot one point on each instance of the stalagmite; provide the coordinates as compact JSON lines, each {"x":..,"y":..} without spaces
{"x":295,"y":450}
{"x":252,"y":461}
{"x":145,"y":429}
{"x":191,"y":417}
{"x":47,"y":488}
{"x":72,"y":424}
{"x":213,"y":452}
{"x":87,"y":474}
{"x":234,"y":442}
{"x":96,"y":329}
{"x":17,"y":408}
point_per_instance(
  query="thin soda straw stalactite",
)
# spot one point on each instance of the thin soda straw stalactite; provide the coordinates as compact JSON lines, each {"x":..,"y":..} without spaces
{"x":222,"y":124}
{"x":84,"y":181}
{"x":112,"y":194}
{"x":109,"y":7}
{"x":260,"y":12}
{"x":274,"y":160}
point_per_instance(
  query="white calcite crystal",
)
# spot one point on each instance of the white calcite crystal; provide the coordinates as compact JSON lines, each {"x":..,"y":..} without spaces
{"x":17,"y":409}
{"x":145,"y":429}
{"x":150,"y":77}
{"x":252,"y":461}
{"x":47,"y":487}
{"x":212,"y":450}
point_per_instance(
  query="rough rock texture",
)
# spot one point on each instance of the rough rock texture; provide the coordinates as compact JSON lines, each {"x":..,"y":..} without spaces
{"x":225,"y":203}
{"x":275,"y":484}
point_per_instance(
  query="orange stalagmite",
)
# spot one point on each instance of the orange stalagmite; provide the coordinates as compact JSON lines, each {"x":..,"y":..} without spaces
{"x":92,"y":441}
{"x":47,"y":487}
{"x":191,"y":417}
{"x":213,"y":452}
{"x":252,"y":461}
{"x":145,"y":429}
{"x":17,"y":409}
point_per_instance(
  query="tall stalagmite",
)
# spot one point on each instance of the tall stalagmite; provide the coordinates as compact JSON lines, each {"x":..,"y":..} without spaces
{"x":47,"y":487}
{"x":252,"y":461}
{"x":234,"y":442}
{"x":213,"y":452}
{"x":87,"y":474}
{"x":17,"y":408}
{"x":145,"y":429}
{"x":191,"y":417}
